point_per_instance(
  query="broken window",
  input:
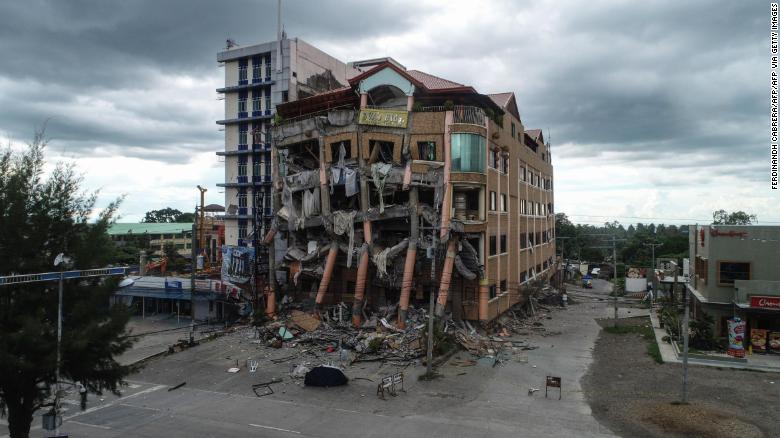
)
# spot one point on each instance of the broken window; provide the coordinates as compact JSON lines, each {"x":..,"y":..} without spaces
{"x":335,"y":150}
{"x":494,"y":158}
{"x":426,"y":150}
{"x":493,"y":249}
{"x":466,"y":201}
{"x":380,"y":151}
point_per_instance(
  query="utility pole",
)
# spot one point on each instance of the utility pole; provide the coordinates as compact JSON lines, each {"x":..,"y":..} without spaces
{"x":566,"y":265}
{"x":614,"y":272}
{"x":614,"y":276}
{"x":685,"y":347}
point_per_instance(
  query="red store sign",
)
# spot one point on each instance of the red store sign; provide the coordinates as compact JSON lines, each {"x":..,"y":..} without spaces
{"x":765,"y":302}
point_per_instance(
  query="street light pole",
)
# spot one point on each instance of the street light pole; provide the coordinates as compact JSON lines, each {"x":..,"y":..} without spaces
{"x":685,"y":347}
{"x":59,"y":350}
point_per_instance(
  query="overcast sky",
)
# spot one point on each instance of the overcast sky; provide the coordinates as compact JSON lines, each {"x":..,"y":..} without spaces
{"x":654,"y":109}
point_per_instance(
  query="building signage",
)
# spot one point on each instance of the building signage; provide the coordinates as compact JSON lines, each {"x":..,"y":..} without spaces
{"x":731,"y":233}
{"x":736,"y":337}
{"x":765,"y":302}
{"x":237,"y":264}
{"x":381,"y":117}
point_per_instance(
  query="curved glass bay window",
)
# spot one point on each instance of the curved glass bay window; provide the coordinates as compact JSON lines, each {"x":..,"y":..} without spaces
{"x":468,"y":152}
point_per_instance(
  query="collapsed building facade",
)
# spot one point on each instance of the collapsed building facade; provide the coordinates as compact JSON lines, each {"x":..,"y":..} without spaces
{"x":402,"y":184}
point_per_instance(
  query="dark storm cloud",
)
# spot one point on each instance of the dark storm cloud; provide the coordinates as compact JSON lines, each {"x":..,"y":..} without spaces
{"x":58,"y":50}
{"x":648,"y":79}
{"x":655,"y":78}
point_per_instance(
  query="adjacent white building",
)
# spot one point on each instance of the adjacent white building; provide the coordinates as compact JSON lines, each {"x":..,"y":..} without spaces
{"x":257,"y":78}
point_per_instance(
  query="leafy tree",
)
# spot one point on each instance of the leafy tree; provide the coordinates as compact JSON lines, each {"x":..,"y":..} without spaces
{"x":38,"y":220}
{"x":176,"y":262}
{"x":168,"y":215}
{"x":722,"y":217}
{"x":185,"y":218}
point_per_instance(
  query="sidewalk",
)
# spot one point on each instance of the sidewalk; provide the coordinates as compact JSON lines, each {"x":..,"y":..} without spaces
{"x":165,"y":331}
{"x":670,"y":353}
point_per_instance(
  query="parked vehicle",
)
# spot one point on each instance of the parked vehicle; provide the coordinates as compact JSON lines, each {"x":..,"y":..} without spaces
{"x":587,"y":282}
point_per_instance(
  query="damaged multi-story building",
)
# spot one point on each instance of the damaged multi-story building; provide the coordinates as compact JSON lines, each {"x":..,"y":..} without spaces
{"x":401,"y":184}
{"x":257,"y":78}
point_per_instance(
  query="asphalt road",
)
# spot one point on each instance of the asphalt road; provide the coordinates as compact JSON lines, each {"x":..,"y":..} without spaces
{"x":467,"y":401}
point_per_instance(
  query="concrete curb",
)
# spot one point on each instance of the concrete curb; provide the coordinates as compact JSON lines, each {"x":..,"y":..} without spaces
{"x":669,"y":353}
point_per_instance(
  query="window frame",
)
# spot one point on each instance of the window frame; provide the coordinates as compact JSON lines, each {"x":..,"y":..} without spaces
{"x":493,"y":245}
{"x":504,"y":205}
{"x":719,"y":271}
{"x":493,"y":200}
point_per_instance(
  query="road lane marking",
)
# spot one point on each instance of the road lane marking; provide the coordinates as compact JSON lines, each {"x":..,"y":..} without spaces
{"x":107,"y":405}
{"x":90,"y":425}
{"x":275,"y":428}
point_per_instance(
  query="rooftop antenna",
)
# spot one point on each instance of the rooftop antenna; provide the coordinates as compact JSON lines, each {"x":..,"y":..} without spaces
{"x":230,"y":43}
{"x":279,"y":36}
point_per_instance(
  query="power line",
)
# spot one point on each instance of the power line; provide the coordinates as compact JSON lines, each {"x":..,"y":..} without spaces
{"x":663,"y":218}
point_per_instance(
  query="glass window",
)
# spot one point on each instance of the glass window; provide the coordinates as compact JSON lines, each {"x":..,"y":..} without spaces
{"x":256,"y":68}
{"x":242,"y":131}
{"x":503,"y":202}
{"x":492,"y":201}
{"x":502,"y":285}
{"x":268,"y":67}
{"x":493,"y":248}
{"x":256,"y":96}
{"x":730,"y":271}
{"x":242,"y":74}
{"x":268,"y":102}
{"x":468,"y":153}
{"x":505,"y":164}
{"x":426,"y":150}
{"x":503,"y":243}
{"x":513,"y":130}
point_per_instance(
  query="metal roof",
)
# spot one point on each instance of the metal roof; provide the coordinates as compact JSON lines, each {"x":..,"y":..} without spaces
{"x":149,"y":228}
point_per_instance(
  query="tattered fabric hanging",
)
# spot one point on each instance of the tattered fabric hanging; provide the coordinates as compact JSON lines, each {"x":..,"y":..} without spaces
{"x":379,"y":172}
{"x":343,"y":222}
{"x":351,"y":187}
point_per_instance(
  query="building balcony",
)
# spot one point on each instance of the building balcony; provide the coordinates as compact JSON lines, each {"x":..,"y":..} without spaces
{"x":265,"y":116}
{"x":256,"y":83}
{"x":244,"y":150}
{"x":247,"y":181}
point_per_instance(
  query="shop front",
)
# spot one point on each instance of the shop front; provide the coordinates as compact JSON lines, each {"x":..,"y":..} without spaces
{"x":758,"y":304}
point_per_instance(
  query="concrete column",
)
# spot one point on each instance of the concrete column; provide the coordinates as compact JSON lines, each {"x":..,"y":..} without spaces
{"x":363,"y":100}
{"x":409,"y":102}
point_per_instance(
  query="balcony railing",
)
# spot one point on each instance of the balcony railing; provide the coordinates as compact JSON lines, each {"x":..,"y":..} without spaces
{"x":471,"y":115}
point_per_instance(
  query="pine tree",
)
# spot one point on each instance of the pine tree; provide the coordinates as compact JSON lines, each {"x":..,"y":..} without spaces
{"x":40,"y":218}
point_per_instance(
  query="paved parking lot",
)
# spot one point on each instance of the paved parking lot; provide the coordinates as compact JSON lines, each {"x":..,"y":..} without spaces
{"x":466,"y":401}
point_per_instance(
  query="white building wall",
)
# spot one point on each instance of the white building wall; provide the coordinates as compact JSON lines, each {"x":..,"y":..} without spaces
{"x":231,"y":137}
{"x":231,"y":105}
{"x":231,"y":73}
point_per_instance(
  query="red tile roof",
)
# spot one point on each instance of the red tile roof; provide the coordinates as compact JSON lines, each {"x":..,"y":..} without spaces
{"x":534,"y":133}
{"x":432,"y":82}
{"x":501,"y":99}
